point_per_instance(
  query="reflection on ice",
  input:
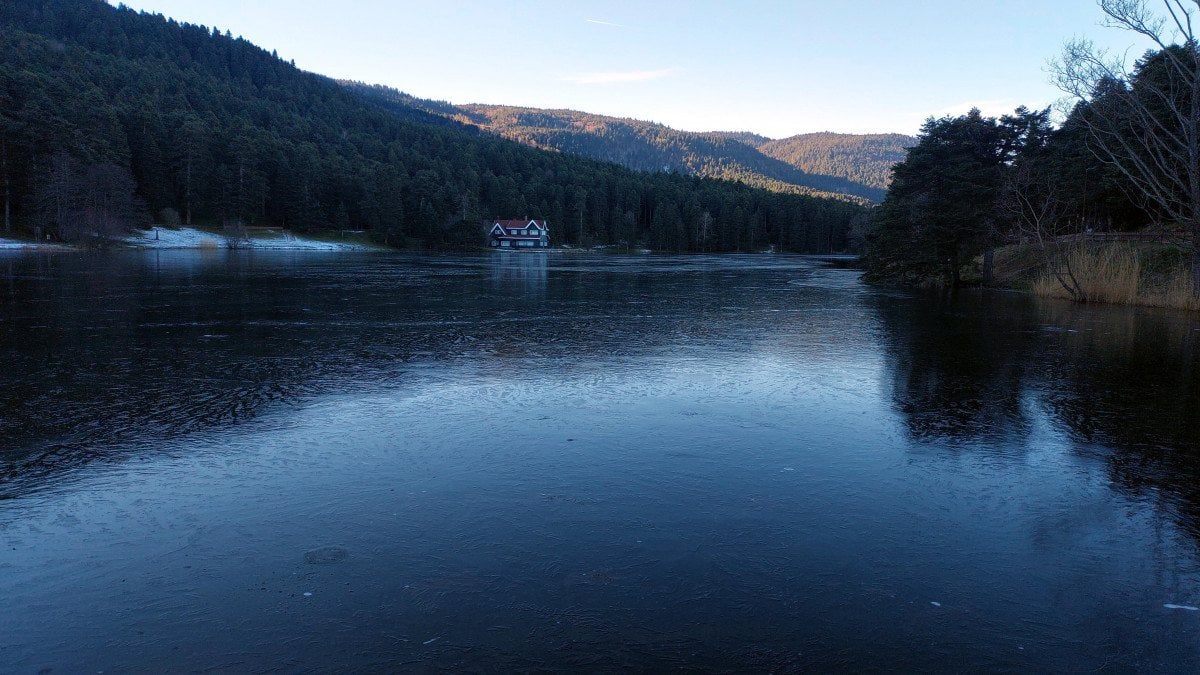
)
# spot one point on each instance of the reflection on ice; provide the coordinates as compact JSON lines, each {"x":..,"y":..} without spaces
{"x":549,"y":461}
{"x":528,"y":269}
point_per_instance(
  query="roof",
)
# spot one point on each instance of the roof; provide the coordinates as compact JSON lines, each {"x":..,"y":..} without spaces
{"x":517,"y":223}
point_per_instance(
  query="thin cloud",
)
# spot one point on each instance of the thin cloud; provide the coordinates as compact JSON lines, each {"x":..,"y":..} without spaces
{"x":606,"y":23}
{"x":621,"y":76}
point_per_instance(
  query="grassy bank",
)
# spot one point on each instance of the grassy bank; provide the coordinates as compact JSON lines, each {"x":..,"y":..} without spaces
{"x":1150,"y":274}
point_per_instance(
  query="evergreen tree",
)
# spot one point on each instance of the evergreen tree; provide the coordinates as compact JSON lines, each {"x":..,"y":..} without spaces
{"x":940,"y":209}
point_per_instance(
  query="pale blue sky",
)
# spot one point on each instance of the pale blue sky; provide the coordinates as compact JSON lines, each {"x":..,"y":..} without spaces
{"x":775,"y":67}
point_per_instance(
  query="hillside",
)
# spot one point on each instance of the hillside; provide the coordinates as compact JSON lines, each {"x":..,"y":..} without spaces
{"x":111,"y":118}
{"x":822,"y":164}
{"x":862,"y":159}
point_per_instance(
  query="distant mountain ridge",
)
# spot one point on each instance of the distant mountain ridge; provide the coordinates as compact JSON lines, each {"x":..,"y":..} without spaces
{"x":822,"y":164}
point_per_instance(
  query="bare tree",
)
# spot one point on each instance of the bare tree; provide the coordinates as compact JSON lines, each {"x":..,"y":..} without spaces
{"x":1148,"y":128}
{"x":1032,"y":206}
{"x":56,"y":195}
{"x":90,"y":203}
{"x":109,"y":205}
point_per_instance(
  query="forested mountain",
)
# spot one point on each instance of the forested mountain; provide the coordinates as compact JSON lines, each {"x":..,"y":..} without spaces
{"x":820,"y":163}
{"x":863,"y":159}
{"x":110,"y":117}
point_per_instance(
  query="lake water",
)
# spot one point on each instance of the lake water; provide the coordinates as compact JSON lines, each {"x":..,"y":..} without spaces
{"x":245,"y":461}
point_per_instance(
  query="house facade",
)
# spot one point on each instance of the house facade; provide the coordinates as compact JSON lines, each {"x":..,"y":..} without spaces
{"x":519,"y":234}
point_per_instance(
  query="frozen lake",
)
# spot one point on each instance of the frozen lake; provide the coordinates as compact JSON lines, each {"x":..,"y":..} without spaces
{"x":246,"y":461}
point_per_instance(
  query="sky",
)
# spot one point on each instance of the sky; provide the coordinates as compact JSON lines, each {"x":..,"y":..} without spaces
{"x":774,"y":67}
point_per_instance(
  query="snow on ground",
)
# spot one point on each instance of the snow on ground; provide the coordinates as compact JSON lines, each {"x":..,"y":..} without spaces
{"x":294,"y":243}
{"x":191,"y":238}
{"x":161,"y":237}
{"x":186,"y":237}
{"x":19,"y":245}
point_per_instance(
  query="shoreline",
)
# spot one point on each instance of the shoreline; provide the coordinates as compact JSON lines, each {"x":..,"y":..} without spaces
{"x":194,"y":239}
{"x":22,"y":245}
{"x":1116,"y":274}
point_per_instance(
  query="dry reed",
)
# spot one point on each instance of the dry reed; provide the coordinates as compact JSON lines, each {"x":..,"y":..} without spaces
{"x":1114,"y":274}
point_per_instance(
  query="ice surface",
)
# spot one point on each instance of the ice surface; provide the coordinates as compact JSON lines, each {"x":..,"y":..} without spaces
{"x":326,"y":555}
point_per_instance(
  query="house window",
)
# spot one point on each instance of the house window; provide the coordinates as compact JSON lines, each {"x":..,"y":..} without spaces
{"x":504,"y":243}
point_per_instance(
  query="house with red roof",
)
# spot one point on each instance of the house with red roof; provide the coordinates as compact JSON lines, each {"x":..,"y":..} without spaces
{"x":519,"y":234}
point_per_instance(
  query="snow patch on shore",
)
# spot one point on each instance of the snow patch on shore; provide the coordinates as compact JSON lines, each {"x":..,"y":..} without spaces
{"x":20,"y":245}
{"x":162,"y":237}
{"x":191,"y":238}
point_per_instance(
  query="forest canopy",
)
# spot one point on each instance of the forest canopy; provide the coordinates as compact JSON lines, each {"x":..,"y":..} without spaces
{"x":217,"y":130}
{"x":1125,"y":158}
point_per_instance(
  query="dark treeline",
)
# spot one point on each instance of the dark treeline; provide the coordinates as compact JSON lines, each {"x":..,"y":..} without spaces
{"x":959,"y":191}
{"x":942,"y":208}
{"x":1127,"y":157}
{"x":111,"y":118}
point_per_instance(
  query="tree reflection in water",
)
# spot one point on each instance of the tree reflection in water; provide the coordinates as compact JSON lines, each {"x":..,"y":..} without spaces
{"x":1122,"y":383}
